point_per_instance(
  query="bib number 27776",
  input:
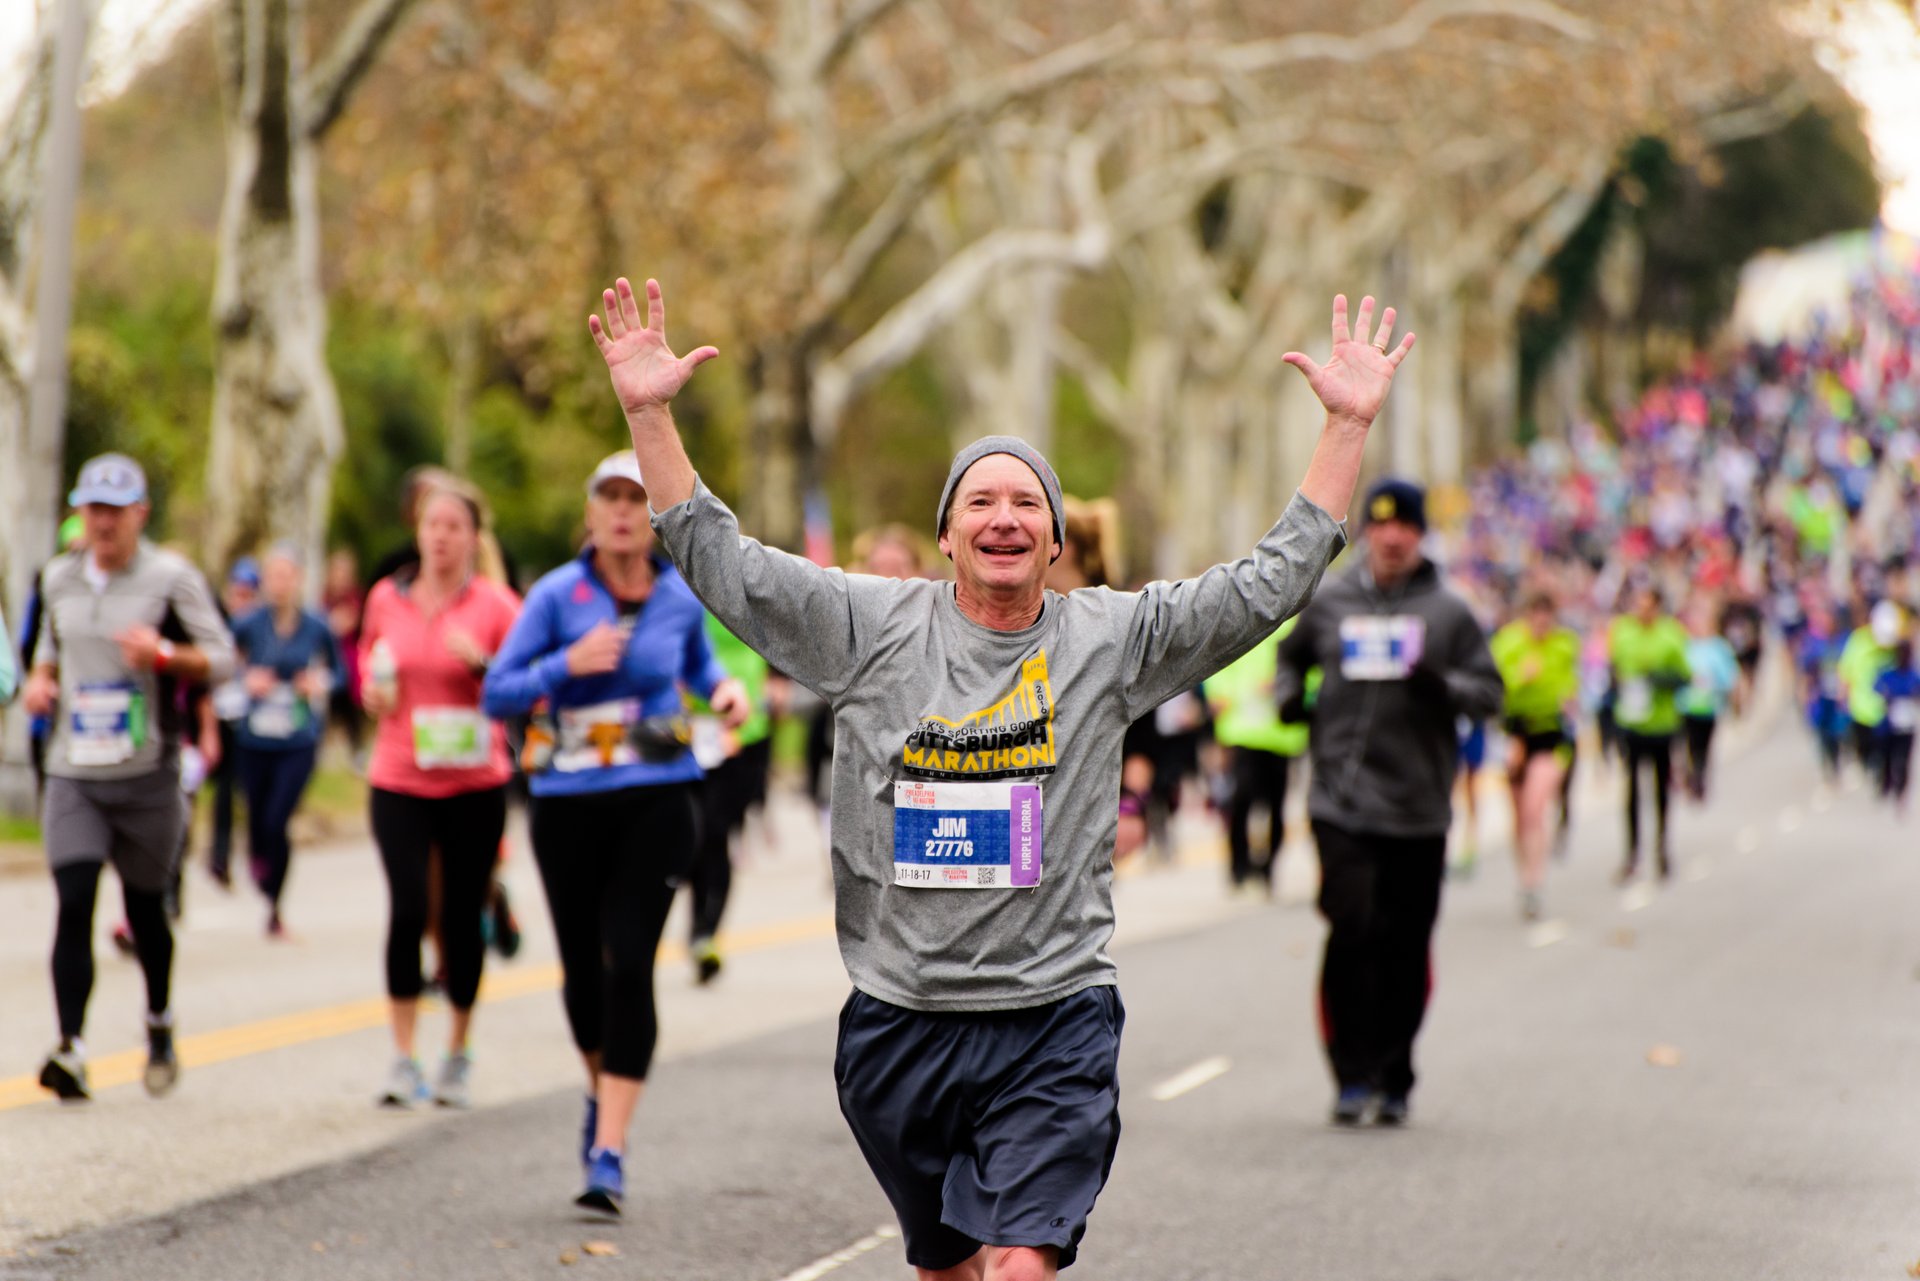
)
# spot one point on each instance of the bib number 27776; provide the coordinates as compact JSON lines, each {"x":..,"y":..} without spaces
{"x":967,"y":836}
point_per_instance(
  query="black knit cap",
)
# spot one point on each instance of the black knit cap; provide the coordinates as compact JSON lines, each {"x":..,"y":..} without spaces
{"x":1394,"y":499}
{"x":1003,"y":445}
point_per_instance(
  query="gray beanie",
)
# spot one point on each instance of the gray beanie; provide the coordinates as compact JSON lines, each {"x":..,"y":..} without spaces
{"x":1003,"y":445}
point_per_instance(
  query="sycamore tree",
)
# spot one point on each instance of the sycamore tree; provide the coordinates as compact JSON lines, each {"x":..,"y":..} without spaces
{"x":276,"y":430}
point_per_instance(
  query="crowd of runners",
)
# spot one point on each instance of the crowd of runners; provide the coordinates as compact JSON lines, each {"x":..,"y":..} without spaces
{"x":985,"y":742}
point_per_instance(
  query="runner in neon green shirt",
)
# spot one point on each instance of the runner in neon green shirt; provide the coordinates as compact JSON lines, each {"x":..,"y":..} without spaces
{"x":736,"y":764}
{"x":1539,"y":663}
{"x":1867,"y":656}
{"x":1647,"y":649}
{"x":1262,"y":747}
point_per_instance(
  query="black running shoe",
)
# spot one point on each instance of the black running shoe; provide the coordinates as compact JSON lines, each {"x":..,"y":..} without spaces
{"x":1350,"y":1107}
{"x":65,"y":1073}
{"x":1393,"y":1112}
{"x":163,"y":1068}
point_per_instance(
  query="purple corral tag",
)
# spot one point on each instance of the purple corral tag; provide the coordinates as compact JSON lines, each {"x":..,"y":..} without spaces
{"x":1024,"y":825}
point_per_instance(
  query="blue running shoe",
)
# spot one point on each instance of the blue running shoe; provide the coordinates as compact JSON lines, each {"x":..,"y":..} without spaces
{"x":589,"y":1128}
{"x":606,"y":1183}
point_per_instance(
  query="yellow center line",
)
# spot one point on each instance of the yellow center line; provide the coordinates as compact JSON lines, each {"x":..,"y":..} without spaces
{"x":246,"y":1039}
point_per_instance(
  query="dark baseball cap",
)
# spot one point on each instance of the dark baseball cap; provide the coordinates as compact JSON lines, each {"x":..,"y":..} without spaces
{"x":1395,"y":499}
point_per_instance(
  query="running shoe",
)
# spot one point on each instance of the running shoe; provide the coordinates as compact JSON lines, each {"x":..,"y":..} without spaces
{"x":65,"y":1073}
{"x":589,"y":1128}
{"x":454,"y":1089}
{"x":163,"y":1067}
{"x":1350,"y":1108}
{"x":1530,"y":908}
{"x":606,"y":1183}
{"x":706,"y":960}
{"x":406,"y":1085}
{"x":1394,"y":1110}
{"x":123,"y":940}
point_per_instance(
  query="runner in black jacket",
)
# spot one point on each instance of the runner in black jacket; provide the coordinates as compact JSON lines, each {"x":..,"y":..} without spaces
{"x":1402,"y":658}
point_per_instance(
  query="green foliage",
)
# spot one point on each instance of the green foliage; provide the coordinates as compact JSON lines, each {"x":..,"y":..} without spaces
{"x":1700,"y":224}
{"x":891,"y":456}
{"x":391,"y":384}
{"x":1810,"y":179}
{"x":141,"y":381}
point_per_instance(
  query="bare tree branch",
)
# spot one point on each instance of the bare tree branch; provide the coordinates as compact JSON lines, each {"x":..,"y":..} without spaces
{"x":865,"y":15}
{"x":1404,"y":33}
{"x":323,"y":97}
{"x":878,"y":234}
{"x":738,"y":25}
{"x":1105,"y":392}
{"x":902,"y":331}
{"x":982,"y":99}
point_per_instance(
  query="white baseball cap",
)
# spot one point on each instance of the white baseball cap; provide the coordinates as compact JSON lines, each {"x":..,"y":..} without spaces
{"x":114,"y":480}
{"x":624,"y":465}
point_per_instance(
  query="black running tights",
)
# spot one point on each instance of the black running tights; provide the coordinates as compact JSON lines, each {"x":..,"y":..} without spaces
{"x":611,"y":862}
{"x":77,"y":887}
{"x":466,"y":829}
{"x":1656,"y":752}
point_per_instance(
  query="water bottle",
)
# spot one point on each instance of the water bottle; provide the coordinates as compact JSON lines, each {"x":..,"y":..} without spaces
{"x":383,"y":673}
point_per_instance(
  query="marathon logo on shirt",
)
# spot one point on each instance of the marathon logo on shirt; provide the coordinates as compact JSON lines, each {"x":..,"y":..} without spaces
{"x":1011,"y":739}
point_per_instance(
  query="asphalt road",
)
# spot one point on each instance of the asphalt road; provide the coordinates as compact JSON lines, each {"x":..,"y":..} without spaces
{"x":1715,"y":1079}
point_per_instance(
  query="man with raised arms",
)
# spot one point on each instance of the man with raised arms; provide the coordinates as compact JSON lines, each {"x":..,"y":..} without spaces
{"x":976,"y":777}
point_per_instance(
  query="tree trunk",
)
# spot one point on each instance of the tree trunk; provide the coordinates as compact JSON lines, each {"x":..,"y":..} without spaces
{"x":276,"y":419}
{"x":779,"y":445}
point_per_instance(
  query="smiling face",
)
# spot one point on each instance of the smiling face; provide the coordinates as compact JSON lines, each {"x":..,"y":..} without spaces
{"x":999,"y":530}
{"x":617,"y":518}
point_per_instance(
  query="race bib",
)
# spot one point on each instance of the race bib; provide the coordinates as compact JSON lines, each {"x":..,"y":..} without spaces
{"x":280,"y":714}
{"x":230,"y":700}
{"x":1903,"y":714}
{"x":967,"y":836}
{"x":451,"y":737}
{"x":1635,"y":703}
{"x":106,"y":724}
{"x":1375,"y":647}
{"x":598,"y":736}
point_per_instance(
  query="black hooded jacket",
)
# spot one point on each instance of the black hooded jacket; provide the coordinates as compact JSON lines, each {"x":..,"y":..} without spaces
{"x":1384,"y":743}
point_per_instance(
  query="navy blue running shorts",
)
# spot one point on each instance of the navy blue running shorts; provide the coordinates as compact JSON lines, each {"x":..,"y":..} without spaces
{"x":985,"y":1127}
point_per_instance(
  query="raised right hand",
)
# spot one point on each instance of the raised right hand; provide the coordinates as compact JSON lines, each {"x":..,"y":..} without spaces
{"x":645,"y":372}
{"x":598,"y":652}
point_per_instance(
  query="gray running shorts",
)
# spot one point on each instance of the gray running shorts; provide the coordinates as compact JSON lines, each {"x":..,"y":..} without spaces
{"x":137,"y":824}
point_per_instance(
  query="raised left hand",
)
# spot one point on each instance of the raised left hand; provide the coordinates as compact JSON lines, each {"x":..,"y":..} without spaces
{"x":1353,"y":383}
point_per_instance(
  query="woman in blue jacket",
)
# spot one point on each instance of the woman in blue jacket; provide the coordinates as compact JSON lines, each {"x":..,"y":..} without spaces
{"x":289,"y":665}
{"x":600,"y":655}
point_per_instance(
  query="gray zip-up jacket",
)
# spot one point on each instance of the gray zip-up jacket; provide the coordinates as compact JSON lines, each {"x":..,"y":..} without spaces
{"x":113,"y":722}
{"x":925,"y":697}
{"x":1384,"y":744}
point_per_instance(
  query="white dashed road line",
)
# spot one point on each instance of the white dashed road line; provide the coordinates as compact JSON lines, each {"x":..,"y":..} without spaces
{"x":841,"y":1258}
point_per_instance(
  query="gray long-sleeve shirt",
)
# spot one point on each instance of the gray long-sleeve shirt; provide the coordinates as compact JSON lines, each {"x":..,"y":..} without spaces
{"x":923,"y":697}
{"x":113,"y":722}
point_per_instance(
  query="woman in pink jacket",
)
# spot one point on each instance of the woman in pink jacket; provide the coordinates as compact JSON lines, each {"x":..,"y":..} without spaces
{"x":439,"y":770}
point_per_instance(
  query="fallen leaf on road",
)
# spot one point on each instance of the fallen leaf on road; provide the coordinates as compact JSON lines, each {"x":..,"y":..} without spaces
{"x":1664,"y":1056}
{"x":1623,"y":938}
{"x":501,"y":1243}
{"x":319,"y":1247}
{"x":602,"y":1249}
{"x":1913,"y":1269}
{"x":569,"y":1257}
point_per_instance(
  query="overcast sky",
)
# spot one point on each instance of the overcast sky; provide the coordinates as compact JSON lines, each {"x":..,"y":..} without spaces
{"x":1878,"y":56}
